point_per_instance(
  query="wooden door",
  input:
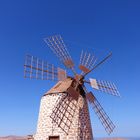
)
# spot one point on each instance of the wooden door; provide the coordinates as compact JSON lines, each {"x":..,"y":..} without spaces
{"x":54,"y":138}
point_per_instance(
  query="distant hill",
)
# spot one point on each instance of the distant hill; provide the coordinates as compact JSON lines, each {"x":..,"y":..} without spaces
{"x":13,"y":138}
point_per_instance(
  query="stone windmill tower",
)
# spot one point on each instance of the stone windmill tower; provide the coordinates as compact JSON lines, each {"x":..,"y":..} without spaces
{"x":64,"y":113}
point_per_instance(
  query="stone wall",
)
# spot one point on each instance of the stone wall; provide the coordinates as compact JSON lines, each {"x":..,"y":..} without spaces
{"x":80,"y":128}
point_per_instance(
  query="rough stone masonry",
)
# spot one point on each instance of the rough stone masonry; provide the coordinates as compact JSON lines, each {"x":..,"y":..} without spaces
{"x":78,"y":129}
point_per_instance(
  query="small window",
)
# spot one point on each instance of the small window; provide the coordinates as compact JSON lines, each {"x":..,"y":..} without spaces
{"x":54,"y":138}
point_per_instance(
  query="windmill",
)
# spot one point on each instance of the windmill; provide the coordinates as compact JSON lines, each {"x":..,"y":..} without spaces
{"x":66,"y":104}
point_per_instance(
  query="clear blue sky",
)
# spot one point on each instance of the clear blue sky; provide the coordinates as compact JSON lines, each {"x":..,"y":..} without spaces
{"x":104,"y":24}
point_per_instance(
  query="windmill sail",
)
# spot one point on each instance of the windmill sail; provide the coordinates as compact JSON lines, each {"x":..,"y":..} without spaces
{"x":98,"y":64}
{"x":58,"y":46}
{"x":38,"y":69}
{"x":105,"y":120}
{"x":87,"y":61}
{"x":104,"y":86}
{"x":63,"y":112}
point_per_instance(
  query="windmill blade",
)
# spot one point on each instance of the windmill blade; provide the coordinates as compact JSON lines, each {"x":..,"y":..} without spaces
{"x":104,"y":86}
{"x":87,"y":61}
{"x":35,"y":68}
{"x":105,"y":120}
{"x":97,"y":65}
{"x":58,"y":46}
{"x":64,"y":111}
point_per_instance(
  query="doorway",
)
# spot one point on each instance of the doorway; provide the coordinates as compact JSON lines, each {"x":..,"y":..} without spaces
{"x":54,"y":138}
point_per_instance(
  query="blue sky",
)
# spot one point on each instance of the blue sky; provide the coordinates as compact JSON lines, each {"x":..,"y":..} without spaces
{"x":104,"y":25}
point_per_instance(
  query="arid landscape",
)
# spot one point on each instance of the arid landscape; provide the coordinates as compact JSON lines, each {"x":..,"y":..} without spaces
{"x":13,"y":138}
{"x":26,"y":138}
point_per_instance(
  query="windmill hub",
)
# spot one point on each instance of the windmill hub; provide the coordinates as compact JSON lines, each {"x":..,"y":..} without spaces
{"x":79,"y":78}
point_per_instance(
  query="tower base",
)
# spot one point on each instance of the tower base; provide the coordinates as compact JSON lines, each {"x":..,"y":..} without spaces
{"x":72,"y":127}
